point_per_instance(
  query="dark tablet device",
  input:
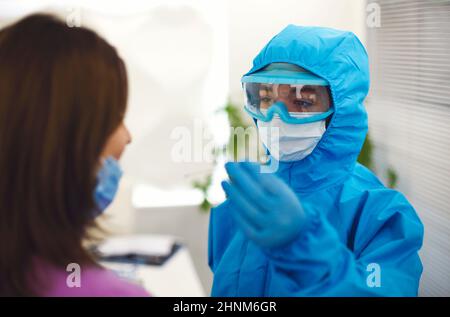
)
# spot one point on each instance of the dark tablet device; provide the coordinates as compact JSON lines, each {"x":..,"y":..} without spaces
{"x":133,"y":258}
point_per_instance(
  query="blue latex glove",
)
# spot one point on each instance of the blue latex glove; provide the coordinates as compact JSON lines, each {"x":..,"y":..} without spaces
{"x":264,"y":207}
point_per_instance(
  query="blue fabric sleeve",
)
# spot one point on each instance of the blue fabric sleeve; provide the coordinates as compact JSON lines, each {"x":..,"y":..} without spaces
{"x":317,"y":263}
{"x":220,"y":231}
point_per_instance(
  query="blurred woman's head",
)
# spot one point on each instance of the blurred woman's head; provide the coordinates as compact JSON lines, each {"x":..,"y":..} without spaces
{"x":63,"y":96}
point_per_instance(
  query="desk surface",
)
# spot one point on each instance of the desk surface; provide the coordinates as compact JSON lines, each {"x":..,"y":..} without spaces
{"x":177,"y":277}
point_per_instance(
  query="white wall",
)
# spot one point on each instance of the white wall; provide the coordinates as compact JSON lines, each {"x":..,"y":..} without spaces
{"x":254,"y":22}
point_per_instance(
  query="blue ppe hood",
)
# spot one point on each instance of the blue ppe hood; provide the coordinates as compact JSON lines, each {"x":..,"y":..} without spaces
{"x":357,"y":227}
{"x":339,"y":58}
{"x":284,"y":73}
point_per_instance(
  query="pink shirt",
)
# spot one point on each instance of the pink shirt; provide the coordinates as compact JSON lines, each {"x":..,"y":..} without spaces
{"x":94,"y":282}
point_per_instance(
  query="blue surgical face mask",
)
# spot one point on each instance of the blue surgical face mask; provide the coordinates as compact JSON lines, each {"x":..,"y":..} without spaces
{"x":108,"y":178}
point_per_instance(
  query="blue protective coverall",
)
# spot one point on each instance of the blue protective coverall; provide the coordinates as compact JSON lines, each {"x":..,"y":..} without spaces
{"x":357,"y":223}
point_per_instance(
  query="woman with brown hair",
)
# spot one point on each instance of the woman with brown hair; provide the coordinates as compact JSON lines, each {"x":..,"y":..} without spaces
{"x":63,"y":96}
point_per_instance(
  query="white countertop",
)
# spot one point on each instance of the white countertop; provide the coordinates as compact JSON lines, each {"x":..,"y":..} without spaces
{"x":177,"y":277}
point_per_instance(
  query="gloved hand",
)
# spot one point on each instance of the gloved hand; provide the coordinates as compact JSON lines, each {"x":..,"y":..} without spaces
{"x":263,"y":206}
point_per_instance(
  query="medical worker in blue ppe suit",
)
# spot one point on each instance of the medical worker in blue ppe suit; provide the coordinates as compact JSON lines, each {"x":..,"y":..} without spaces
{"x":322,"y":224}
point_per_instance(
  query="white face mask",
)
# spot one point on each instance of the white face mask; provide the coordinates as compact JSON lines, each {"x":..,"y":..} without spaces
{"x":291,"y":142}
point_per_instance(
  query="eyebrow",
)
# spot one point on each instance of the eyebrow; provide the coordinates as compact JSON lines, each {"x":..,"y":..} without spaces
{"x":308,"y":89}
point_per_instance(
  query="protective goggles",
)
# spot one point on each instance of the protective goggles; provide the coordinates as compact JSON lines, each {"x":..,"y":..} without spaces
{"x":293,"y":94}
